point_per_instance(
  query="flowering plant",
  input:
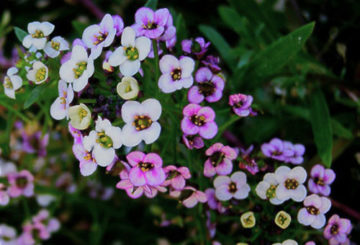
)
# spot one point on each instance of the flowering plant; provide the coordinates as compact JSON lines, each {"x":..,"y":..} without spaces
{"x":153,"y":115}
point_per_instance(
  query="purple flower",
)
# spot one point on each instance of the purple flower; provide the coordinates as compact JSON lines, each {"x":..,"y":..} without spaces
{"x":210,"y":225}
{"x":4,"y":196}
{"x":21,"y":183}
{"x":51,"y":224}
{"x":7,"y":235}
{"x":96,"y":37}
{"x":297,"y":150}
{"x":118,"y":24}
{"x":212,"y":202}
{"x":320,"y":180}
{"x":149,"y":23}
{"x":275,"y":149}
{"x":88,"y":163}
{"x":199,"y":120}
{"x":32,"y":233}
{"x":310,"y":243}
{"x":220,"y":160}
{"x":314,"y":210}
{"x":337,"y":230}
{"x":231,"y":187}
{"x":146,"y":169}
{"x":193,"y":141}
{"x":35,"y":143}
{"x":198,"y":46}
{"x":76,"y":134}
{"x":209,"y":87}
{"x":247,"y":161}
{"x":66,"y":182}
{"x":176,"y":74}
{"x":195,"y":197}
{"x":241,"y":104}
{"x":213,"y":63}
{"x":169,"y":35}
{"x":176,"y":177}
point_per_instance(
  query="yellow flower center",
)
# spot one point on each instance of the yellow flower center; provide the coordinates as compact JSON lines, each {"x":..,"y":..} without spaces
{"x":291,"y":184}
{"x":271,"y":192}
{"x":142,"y":122}
{"x":79,"y":69}
{"x":38,"y":34}
{"x":8,"y":83}
{"x":146,"y":166}
{"x":55,"y":45}
{"x":100,"y":37}
{"x":176,"y":74}
{"x":131,"y":53}
{"x":198,"y":120}
{"x":82,"y":113}
{"x":104,"y":140}
{"x":40,"y":74}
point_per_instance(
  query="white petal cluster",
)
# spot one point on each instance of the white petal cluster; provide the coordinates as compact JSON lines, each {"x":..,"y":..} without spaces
{"x":12,"y":82}
{"x":38,"y":33}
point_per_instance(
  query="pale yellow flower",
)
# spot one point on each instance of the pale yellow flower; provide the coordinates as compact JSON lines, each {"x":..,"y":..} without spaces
{"x":128,"y":88}
{"x":248,"y":219}
{"x":80,"y":116}
{"x":282,"y":219}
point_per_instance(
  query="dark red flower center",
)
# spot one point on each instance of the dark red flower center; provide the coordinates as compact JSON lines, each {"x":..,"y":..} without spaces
{"x":312,"y":210}
{"x":207,"y":88}
{"x":232,"y":187}
{"x":176,"y":74}
{"x":21,"y":182}
{"x":146,"y":166}
{"x":217,"y":158}
{"x":198,"y":120}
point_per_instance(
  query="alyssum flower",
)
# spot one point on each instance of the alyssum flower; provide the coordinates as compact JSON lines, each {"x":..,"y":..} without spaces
{"x":314,"y":210}
{"x":176,"y":177}
{"x":176,"y":73}
{"x":266,"y":189}
{"x":55,"y":46}
{"x":12,"y":82}
{"x":193,"y":141}
{"x":320,"y":180}
{"x":38,"y":32}
{"x":38,"y":73}
{"x":78,"y":69}
{"x":199,"y":120}
{"x":209,"y":87}
{"x":59,"y":108}
{"x":337,"y":230}
{"x":131,"y":52}
{"x":103,"y":141}
{"x":88,"y":163}
{"x":198,"y":46}
{"x":96,"y":37}
{"x":231,"y":187}
{"x":80,"y":116}
{"x":141,"y":122}
{"x":128,"y":88}
{"x":291,"y":183}
{"x":220,"y":160}
{"x":241,"y":104}
{"x":21,"y":183}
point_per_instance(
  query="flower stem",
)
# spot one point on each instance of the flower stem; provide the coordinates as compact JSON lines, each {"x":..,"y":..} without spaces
{"x":156,"y":55}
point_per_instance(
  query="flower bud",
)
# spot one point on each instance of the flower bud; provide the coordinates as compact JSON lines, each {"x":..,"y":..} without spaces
{"x":248,"y":219}
{"x":282,"y":219}
{"x":80,"y":116}
{"x":128,"y":88}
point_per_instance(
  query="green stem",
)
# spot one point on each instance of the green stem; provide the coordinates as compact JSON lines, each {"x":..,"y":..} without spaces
{"x":89,"y":101}
{"x":156,"y":55}
{"x":16,"y":112}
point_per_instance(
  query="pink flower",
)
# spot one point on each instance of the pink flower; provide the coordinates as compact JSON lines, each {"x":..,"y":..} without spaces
{"x":198,"y":46}
{"x":193,"y":141}
{"x":209,"y":87}
{"x":241,"y":104}
{"x":146,"y":169}
{"x":51,"y":224}
{"x":88,"y":163}
{"x":32,"y":233}
{"x":337,"y":230}
{"x":76,"y":134}
{"x":195,"y":197}
{"x":21,"y":183}
{"x":320,"y":180}
{"x":176,"y":177}
{"x":199,"y":120}
{"x":220,"y":160}
{"x":212,"y":202}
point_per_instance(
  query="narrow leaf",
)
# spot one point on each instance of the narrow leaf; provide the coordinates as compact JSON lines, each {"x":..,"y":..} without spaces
{"x":340,"y":130}
{"x":20,"y":33}
{"x":79,"y":26}
{"x":33,"y":96}
{"x":321,"y":126}
{"x":151,"y":4}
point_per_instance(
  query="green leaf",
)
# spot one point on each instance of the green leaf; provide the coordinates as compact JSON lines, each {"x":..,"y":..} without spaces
{"x":20,"y":33}
{"x":79,"y":26}
{"x":181,"y":30}
{"x":151,"y":4}
{"x":321,"y":126}
{"x":340,"y":130}
{"x":220,"y":44}
{"x":269,"y":61}
{"x":33,"y":96}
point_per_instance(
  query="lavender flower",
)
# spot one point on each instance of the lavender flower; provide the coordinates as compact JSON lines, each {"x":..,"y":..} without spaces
{"x":212,"y":62}
{"x":231,"y":187}
{"x":176,"y":177}
{"x":21,"y":183}
{"x":320,"y":180}
{"x":198,"y":46}
{"x":193,"y":141}
{"x":241,"y":104}
{"x":337,"y":230}
{"x":212,"y":201}
{"x":209,"y":87}
{"x":7,"y":235}
{"x":314,"y":210}
{"x":195,"y":197}
{"x":220,"y":160}
{"x":199,"y":120}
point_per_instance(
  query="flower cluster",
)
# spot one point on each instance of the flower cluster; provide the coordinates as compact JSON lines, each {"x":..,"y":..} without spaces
{"x":284,"y":151}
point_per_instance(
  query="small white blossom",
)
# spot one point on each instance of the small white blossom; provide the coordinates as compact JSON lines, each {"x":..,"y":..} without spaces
{"x":128,"y":88}
{"x":266,"y":189}
{"x":313,"y":212}
{"x":38,"y":32}
{"x":291,"y":183}
{"x":12,"y":82}
{"x":287,"y":242}
{"x":55,"y":46}
{"x":78,"y":69}
{"x":59,"y":109}
{"x":131,"y":52}
{"x":141,"y":121}
{"x":80,"y":116}
{"x":103,"y":141}
{"x":38,"y":73}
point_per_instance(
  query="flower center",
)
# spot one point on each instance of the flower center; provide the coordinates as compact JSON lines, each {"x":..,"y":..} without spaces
{"x":198,"y":120}
{"x":176,"y":74}
{"x":40,"y":74}
{"x":6,"y":238}
{"x":55,"y":45}
{"x":88,"y":157}
{"x":232,"y":187}
{"x":38,"y":34}
{"x":21,"y":182}
{"x":146,"y":166}
{"x":291,"y":184}
{"x":271,"y":191}
{"x":79,"y":69}
{"x":207,"y":88}
{"x":195,"y":47}
{"x":82,"y":113}
{"x":239,"y":104}
{"x":217,"y":158}
{"x":100,"y":37}
{"x":35,"y":233}
{"x":8,"y":83}
{"x":276,"y":153}
{"x":319,"y":181}
{"x":312,"y":210}
{"x":334,"y":229}
{"x":131,"y":53}
{"x":142,"y":122}
{"x":150,"y":26}
{"x":104,"y":140}
{"x":281,"y":219}
{"x":172,"y":174}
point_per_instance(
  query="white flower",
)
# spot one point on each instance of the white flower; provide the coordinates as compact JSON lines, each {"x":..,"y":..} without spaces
{"x":103,"y":141}
{"x":291,"y":183}
{"x":45,"y":199}
{"x":314,"y":210}
{"x":266,"y":189}
{"x":141,"y":121}
{"x":96,"y":37}
{"x":55,"y":46}
{"x":59,"y":109}
{"x":80,"y":116}
{"x":128,"y":88}
{"x":7,"y":235}
{"x":38,"y":31}
{"x":78,"y":69}
{"x":130,"y":53}
{"x":6,"y":168}
{"x":231,"y":187}
{"x":287,"y":242}
{"x":12,"y":82}
{"x":39,"y":73}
